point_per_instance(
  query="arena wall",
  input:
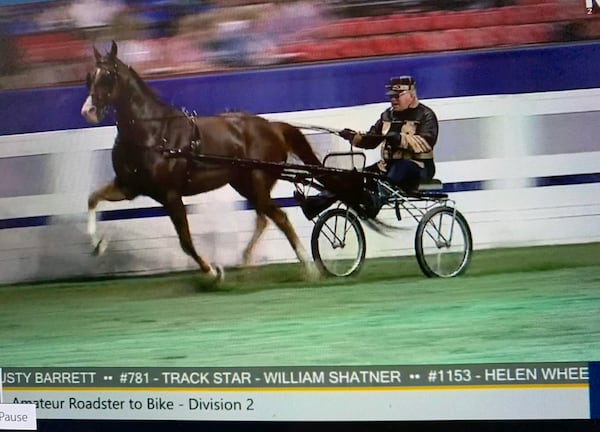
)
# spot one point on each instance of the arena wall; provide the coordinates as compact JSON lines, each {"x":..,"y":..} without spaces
{"x":518,"y":153}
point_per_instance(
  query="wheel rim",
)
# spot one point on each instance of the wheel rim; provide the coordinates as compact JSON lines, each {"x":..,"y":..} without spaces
{"x":340,"y":245}
{"x":445,"y":244}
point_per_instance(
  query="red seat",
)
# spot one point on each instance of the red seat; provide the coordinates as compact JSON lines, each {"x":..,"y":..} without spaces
{"x":51,"y":47}
{"x":507,"y":36}
{"x":449,"y":20}
{"x":405,"y":44}
{"x":383,"y":45}
{"x":342,"y":28}
{"x":392,"y":44}
{"x":387,"y":25}
{"x":525,"y":34}
{"x":435,"y":41}
{"x":553,"y":12}
{"x":314,"y":51}
{"x":486,"y":37}
{"x":469,"y":38}
{"x":522,"y":14}
{"x":541,"y":33}
{"x":326,"y":51}
{"x":556,"y":12}
{"x":486,"y":18}
{"x":354,"y":47}
{"x":411,"y":23}
{"x":493,"y":36}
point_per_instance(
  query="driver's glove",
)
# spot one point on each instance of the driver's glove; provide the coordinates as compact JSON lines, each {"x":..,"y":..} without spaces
{"x":347,"y":134}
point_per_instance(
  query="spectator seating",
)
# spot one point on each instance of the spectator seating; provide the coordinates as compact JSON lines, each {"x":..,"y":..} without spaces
{"x":523,"y":22}
{"x":527,"y":22}
{"x":50,"y":47}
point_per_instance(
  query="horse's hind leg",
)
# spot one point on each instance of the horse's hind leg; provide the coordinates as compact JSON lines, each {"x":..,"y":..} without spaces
{"x":176,"y":211}
{"x":260,"y":196}
{"x":108,"y":192}
{"x":261,"y":224}
{"x":283,"y":223}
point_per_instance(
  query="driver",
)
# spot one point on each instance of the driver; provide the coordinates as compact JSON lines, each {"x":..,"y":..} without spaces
{"x":408,"y":131}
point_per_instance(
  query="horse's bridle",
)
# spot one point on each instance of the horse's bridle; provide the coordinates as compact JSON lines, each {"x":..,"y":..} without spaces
{"x":110,"y":72}
{"x":108,"y":80}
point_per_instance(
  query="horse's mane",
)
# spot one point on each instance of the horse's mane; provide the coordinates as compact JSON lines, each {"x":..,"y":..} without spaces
{"x":137,"y":79}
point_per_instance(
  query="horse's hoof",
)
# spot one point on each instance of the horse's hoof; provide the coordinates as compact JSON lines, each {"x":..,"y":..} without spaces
{"x":246,"y":260}
{"x":312,"y":273}
{"x":100,"y":247}
{"x":211,"y":279}
{"x":215,"y":275}
{"x":220,"y":273}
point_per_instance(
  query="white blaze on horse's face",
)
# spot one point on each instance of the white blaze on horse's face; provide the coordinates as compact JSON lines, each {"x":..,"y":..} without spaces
{"x":89,"y":111}
{"x":100,"y":85}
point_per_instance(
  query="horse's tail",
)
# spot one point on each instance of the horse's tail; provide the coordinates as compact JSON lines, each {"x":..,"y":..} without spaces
{"x":297,"y":143}
{"x":346,"y":188}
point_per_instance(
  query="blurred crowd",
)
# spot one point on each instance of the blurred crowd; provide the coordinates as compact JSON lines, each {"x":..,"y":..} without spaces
{"x":44,"y":43}
{"x":50,"y":42}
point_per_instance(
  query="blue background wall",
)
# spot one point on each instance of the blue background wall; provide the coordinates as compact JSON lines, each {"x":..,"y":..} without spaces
{"x":299,"y":88}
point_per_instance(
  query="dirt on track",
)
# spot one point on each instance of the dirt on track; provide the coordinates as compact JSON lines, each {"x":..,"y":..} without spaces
{"x":514,"y":305}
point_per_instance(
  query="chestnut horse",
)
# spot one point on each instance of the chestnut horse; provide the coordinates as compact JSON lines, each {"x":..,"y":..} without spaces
{"x":153,"y":155}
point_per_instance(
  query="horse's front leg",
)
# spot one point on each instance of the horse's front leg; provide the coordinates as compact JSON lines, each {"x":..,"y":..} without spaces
{"x":176,"y":211}
{"x":108,"y":192}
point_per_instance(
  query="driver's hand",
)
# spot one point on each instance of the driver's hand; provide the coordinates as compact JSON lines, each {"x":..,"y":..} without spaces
{"x":348,"y":134}
{"x":416,"y":143}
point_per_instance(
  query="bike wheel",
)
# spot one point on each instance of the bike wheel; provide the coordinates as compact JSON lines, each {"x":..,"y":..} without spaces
{"x":443,"y":243}
{"x":338,"y":243}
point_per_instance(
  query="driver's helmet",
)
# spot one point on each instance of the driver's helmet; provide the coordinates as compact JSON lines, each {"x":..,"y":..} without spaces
{"x":399,"y":85}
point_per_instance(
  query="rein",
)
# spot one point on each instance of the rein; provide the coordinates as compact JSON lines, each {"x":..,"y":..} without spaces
{"x":316,"y":128}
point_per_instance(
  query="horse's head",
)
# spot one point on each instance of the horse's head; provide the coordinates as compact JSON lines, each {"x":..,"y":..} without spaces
{"x":103,"y":86}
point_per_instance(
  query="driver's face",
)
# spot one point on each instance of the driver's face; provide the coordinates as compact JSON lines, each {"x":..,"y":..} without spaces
{"x":402,"y":101}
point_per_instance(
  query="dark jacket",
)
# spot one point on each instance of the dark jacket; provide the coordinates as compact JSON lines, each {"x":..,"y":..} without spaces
{"x":420,"y":120}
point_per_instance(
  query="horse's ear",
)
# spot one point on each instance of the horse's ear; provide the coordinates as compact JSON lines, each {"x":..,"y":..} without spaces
{"x":97,"y":55}
{"x":113,"y":49}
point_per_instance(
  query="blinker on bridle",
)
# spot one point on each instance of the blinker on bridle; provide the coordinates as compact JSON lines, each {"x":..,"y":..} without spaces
{"x":111,"y":75}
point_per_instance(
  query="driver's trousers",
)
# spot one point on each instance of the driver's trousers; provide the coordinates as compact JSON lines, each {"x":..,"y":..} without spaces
{"x":404,"y":173}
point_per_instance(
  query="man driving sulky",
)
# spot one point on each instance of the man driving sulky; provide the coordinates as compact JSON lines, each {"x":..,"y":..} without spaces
{"x":408,"y":132}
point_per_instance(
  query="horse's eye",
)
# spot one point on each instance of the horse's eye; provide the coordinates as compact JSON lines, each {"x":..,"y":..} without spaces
{"x":106,"y":79}
{"x":88,"y":80}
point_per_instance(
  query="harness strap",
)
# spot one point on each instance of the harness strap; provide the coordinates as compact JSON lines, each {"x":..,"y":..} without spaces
{"x":195,"y":142}
{"x":186,"y":151}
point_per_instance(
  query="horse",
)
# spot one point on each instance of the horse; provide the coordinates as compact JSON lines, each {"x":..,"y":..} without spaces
{"x":154,"y":155}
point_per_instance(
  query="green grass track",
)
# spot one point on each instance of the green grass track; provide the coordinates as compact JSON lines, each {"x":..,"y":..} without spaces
{"x":534,"y":304}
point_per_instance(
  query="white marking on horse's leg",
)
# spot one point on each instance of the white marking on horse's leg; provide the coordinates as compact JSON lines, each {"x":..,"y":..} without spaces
{"x":311,"y":269}
{"x":281,"y":220}
{"x":98,"y":243}
{"x":220,"y":273}
{"x":214,"y":275}
{"x":91,"y":224}
{"x":302,"y":254}
{"x":212,"y":272}
{"x":91,"y":227}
